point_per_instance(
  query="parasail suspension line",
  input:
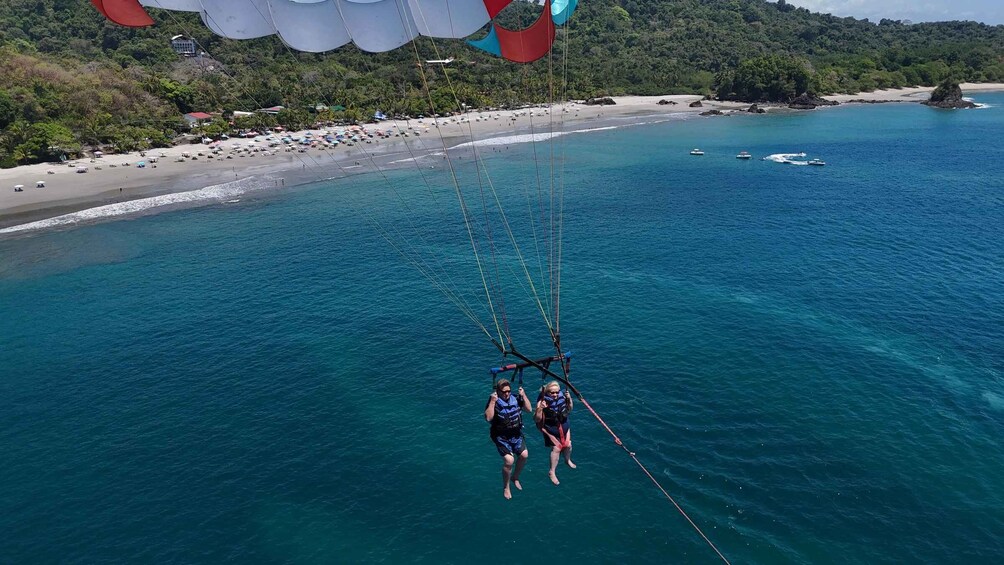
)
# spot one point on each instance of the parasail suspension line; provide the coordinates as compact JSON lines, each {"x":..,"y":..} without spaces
{"x":462,"y":201}
{"x":483,"y":171}
{"x":420,"y":264}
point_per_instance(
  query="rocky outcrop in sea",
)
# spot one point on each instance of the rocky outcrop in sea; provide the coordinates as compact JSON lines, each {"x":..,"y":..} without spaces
{"x":948,"y":96}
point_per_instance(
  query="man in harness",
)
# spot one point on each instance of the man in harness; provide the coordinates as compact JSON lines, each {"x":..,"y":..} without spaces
{"x":504,"y":411}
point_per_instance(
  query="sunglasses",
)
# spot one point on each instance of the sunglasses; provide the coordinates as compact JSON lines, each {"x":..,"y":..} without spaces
{"x":505,"y":390}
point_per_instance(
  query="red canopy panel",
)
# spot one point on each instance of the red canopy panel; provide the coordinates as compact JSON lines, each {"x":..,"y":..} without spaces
{"x":496,"y":6}
{"x":529,"y":44}
{"x":124,"y":12}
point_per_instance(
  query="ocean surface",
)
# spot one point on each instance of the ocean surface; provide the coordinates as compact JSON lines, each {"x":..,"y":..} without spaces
{"x":810,"y":359}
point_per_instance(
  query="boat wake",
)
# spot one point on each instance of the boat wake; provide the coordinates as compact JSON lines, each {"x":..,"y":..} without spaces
{"x":786,"y":158}
{"x":220,"y":193}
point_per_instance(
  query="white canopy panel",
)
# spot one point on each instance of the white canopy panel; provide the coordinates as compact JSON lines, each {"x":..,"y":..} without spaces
{"x":323,"y":25}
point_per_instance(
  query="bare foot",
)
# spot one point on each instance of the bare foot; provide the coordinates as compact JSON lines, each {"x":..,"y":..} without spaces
{"x":507,"y":493}
{"x":569,"y":463}
{"x":516,"y":484}
{"x":554,"y":478}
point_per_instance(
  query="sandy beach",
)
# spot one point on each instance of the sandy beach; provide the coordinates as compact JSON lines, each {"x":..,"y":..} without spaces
{"x":118,"y":178}
{"x":911,"y":94}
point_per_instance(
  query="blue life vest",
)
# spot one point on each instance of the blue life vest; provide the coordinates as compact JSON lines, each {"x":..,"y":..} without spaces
{"x":556,"y":411}
{"x":508,"y":415}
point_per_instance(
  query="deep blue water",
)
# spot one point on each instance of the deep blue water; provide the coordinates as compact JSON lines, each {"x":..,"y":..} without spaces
{"x":810,"y":359}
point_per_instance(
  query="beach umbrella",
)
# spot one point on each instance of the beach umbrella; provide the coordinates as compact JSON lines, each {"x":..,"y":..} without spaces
{"x":40,"y":184}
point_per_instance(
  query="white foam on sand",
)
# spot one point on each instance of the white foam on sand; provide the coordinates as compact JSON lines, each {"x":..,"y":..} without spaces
{"x":533,"y":138}
{"x":526,"y":138}
{"x":208,"y":195}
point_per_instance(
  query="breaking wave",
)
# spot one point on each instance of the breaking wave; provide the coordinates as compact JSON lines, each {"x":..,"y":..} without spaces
{"x":211,"y":194}
{"x":526,"y":137}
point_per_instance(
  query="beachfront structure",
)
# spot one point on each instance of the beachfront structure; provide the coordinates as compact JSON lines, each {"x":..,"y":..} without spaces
{"x":197,"y":118}
{"x":273,"y":110}
{"x":323,"y":107}
{"x":184,"y":46}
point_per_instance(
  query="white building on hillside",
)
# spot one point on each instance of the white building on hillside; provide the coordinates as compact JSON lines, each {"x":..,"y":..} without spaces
{"x":184,"y":46}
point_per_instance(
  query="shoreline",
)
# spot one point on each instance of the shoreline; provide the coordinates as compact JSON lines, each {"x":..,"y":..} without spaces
{"x":116,"y":180}
{"x":910,"y":93}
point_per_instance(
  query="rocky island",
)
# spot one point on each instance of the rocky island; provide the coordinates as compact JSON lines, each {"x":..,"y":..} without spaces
{"x":948,"y":95}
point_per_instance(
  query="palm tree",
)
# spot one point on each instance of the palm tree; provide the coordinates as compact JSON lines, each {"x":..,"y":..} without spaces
{"x":94,"y":128}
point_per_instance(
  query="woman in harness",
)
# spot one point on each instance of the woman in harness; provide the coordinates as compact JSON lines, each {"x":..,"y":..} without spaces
{"x":504,"y":411}
{"x":552,"y":420}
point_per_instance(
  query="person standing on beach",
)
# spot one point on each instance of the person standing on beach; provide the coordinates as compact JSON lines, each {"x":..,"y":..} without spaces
{"x":504,"y":412}
{"x":551,"y":417}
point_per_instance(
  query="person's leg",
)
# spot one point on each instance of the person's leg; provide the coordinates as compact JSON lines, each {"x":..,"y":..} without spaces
{"x":555,"y":452}
{"x":519,"y":469}
{"x":567,"y":452}
{"x":506,"y":470}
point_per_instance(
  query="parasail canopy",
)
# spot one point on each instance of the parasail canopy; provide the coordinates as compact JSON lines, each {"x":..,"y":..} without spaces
{"x":372,"y":25}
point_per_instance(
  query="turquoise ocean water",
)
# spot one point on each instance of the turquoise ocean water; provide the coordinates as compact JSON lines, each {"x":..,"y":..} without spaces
{"x":810,"y":359}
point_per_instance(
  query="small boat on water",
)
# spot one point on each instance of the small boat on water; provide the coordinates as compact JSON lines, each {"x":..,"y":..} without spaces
{"x":817,"y":162}
{"x":696,"y":152}
{"x":744,"y":155}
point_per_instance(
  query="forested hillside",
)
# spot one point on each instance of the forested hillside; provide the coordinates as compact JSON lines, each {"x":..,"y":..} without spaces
{"x":69,"y":78}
